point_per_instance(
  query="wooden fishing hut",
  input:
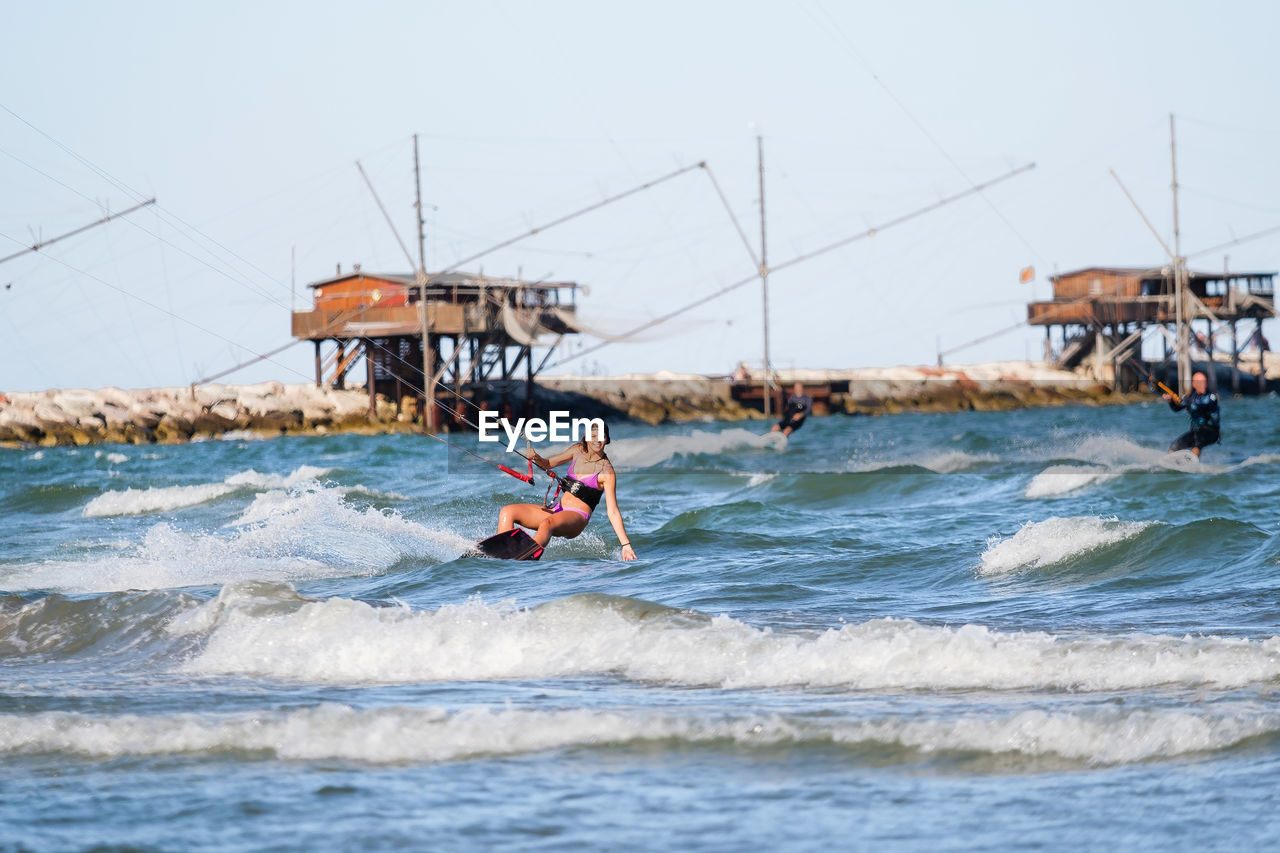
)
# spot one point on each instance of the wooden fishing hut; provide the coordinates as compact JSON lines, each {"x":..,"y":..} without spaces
{"x":455,"y":333}
{"x":1103,"y":312}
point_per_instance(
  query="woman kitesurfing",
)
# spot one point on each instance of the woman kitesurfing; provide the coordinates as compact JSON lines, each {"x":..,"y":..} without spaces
{"x":589,"y":477}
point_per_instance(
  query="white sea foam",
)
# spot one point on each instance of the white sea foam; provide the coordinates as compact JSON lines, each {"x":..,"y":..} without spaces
{"x":1118,"y":454}
{"x":1109,"y":457}
{"x":641,"y":452}
{"x":345,"y":641}
{"x":1261,"y":459}
{"x":950,"y":461}
{"x":306,"y":533}
{"x":1109,"y":450}
{"x":377,"y":493}
{"x":866,"y":466}
{"x":1061,"y":479}
{"x":155,"y":499}
{"x":395,"y":735}
{"x":939,"y":462}
{"x":253,"y":479}
{"x":1054,"y":540}
{"x":169,"y":498}
{"x":1117,"y":737}
{"x":111,"y":456}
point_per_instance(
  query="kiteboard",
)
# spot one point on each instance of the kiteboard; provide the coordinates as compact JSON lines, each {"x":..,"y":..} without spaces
{"x":1183,"y":459}
{"x":514,"y":544}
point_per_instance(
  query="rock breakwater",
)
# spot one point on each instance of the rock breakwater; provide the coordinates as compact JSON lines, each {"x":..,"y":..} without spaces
{"x":172,"y":415}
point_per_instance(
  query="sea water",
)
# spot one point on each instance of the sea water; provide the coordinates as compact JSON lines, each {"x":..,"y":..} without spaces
{"x":945,"y":631}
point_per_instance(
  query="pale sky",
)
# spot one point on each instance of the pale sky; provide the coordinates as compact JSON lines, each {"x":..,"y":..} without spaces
{"x":246,"y":120}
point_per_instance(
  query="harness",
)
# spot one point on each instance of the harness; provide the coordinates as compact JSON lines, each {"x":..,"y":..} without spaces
{"x":589,"y":495}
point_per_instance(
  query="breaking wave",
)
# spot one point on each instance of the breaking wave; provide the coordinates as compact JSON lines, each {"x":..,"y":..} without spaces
{"x":269,"y":631}
{"x":395,"y":735}
{"x":1054,"y":540}
{"x":168,"y":498}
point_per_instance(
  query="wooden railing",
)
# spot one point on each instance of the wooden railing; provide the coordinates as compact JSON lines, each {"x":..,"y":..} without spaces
{"x":444,"y":318}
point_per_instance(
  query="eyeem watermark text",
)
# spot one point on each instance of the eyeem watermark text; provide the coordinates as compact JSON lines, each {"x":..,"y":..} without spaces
{"x":561,"y":427}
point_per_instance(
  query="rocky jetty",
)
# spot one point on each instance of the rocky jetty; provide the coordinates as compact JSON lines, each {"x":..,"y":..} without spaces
{"x":864,"y":391}
{"x":171,"y":415}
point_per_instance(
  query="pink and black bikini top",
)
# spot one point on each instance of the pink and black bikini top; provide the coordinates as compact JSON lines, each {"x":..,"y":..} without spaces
{"x":591,"y":480}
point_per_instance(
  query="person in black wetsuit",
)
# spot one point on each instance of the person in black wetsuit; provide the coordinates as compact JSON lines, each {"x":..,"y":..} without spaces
{"x":1203,"y":408}
{"x":798,"y":407}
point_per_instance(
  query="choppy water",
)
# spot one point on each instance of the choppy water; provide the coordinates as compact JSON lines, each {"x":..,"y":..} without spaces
{"x":966,"y":631}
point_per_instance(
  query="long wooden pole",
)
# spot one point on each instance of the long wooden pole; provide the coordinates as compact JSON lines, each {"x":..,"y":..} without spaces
{"x":1235,"y":341}
{"x":764,"y":285}
{"x":35,"y":247}
{"x":385,"y":215}
{"x":1179,"y":274}
{"x":417,"y":185}
{"x":428,"y":356}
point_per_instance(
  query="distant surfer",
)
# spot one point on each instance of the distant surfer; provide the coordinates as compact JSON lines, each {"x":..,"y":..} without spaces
{"x":590,"y":477}
{"x":798,"y":407}
{"x":1203,"y":408}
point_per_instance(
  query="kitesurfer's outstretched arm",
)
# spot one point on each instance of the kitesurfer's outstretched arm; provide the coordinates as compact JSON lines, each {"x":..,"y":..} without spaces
{"x":609,"y":481}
